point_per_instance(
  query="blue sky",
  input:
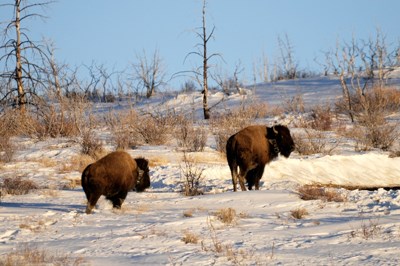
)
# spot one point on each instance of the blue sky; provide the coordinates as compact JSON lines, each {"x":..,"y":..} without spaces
{"x":113,"y":32}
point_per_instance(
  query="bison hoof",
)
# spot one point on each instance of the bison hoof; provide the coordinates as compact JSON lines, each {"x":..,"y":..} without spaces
{"x":88,"y":210}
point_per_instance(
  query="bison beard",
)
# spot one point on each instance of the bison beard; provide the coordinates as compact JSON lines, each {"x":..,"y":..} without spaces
{"x":113,"y":176}
{"x":252,"y":148}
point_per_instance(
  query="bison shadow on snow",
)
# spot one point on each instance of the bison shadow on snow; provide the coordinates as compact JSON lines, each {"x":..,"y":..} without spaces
{"x":113,"y":176}
{"x":252,"y":148}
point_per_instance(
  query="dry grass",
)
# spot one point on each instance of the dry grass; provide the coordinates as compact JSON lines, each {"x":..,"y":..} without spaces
{"x":31,"y":255}
{"x":51,"y":193}
{"x":47,"y":162}
{"x":7,"y":148}
{"x":35,"y":224}
{"x":17,"y":186}
{"x":234,"y":255}
{"x":141,"y":208}
{"x":299,"y":213}
{"x":190,"y":238}
{"x":227,"y":216}
{"x":319,"y":192}
{"x":367,"y":230}
{"x":77,"y":163}
{"x":188,"y":213}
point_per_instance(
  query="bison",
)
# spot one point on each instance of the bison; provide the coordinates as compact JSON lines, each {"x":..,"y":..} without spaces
{"x":252,"y":148}
{"x":113,"y":176}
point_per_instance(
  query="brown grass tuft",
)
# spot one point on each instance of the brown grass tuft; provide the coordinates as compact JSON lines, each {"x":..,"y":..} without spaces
{"x":31,"y":255}
{"x":319,"y":192}
{"x":299,"y":213}
{"x":190,"y":238}
{"x":227,"y":216}
{"x":17,"y":186}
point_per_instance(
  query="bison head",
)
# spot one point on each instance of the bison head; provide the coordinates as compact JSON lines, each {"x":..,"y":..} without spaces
{"x":279,"y":136}
{"x":143,"y":180}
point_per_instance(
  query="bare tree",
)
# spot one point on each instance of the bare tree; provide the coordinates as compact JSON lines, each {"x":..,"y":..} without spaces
{"x":261,"y":69}
{"x":358,"y":65}
{"x":202,"y":75}
{"x":288,"y":62}
{"x":22,"y":57}
{"x":149,"y":74}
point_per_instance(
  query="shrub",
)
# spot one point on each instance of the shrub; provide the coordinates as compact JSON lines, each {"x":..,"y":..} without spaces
{"x":91,"y":145}
{"x":191,"y":139}
{"x":294,"y":104}
{"x":18,"y":186}
{"x":7,"y":149}
{"x":321,"y":118}
{"x":313,"y":142}
{"x":122,"y":127}
{"x":191,"y":177}
{"x":368,"y":230}
{"x":153,"y":130}
{"x":369,"y":137}
{"x":225,"y":125}
{"x":370,"y":110}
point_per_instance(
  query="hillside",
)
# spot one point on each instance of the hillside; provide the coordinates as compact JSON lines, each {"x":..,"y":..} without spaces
{"x":272,"y":226}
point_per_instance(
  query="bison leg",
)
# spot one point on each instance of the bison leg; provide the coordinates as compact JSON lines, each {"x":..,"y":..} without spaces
{"x":259,"y":171}
{"x":118,"y":199}
{"x":241,"y":178}
{"x":234,"y":174}
{"x":251,"y":178}
{"x":92,"y":200}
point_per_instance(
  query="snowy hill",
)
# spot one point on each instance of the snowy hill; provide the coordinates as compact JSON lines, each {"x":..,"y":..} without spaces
{"x":163,"y":227}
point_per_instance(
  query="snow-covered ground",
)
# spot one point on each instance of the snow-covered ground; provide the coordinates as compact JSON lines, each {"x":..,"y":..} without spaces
{"x":151,"y":227}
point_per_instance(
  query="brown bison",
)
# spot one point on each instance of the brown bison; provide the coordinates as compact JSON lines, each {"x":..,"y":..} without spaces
{"x":113,"y":176}
{"x":252,"y":148}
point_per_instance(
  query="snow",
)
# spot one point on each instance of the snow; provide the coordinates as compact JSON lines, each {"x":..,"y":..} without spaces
{"x":148,"y":230}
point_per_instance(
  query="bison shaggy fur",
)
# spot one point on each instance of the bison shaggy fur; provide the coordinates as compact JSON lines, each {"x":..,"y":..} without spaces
{"x":113,"y":176}
{"x":252,"y":148}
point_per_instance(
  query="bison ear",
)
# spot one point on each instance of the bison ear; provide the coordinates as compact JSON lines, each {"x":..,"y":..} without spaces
{"x":271,"y":133}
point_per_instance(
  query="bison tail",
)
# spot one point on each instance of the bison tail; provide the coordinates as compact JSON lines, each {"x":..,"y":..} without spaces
{"x":230,"y":154}
{"x":84,"y":178}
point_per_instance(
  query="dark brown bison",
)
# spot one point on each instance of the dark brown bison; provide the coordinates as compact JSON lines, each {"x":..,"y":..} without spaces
{"x":113,"y":176}
{"x":252,"y":148}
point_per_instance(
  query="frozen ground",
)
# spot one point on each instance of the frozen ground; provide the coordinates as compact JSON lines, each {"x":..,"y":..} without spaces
{"x":151,"y":226}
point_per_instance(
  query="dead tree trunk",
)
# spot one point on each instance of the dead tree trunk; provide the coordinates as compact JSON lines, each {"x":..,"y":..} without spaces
{"x":206,"y":109}
{"x":21,"y":98}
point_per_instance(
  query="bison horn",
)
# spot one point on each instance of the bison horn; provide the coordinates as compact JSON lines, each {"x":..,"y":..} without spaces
{"x":141,"y":172}
{"x":275,"y":131}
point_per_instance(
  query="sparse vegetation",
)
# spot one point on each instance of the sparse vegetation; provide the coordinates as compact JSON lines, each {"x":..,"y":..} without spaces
{"x":191,"y":178}
{"x":223,"y":126}
{"x":91,"y":145}
{"x":299,"y":213}
{"x":191,"y":138}
{"x":190,"y":238}
{"x":7,"y":149}
{"x":368,"y":230}
{"x":32,"y":255}
{"x":17,"y":186}
{"x":319,"y":192}
{"x":227,"y":216}
{"x":312,"y":141}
